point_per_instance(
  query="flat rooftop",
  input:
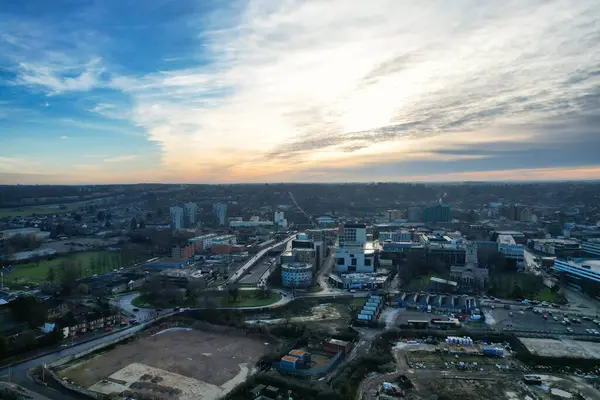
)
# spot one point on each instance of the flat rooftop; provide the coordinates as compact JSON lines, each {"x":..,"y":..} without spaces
{"x":506,"y":239}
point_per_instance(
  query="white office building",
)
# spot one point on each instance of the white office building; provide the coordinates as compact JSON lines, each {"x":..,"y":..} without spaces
{"x":190,"y":210}
{"x":395,"y":236}
{"x":220,"y":211}
{"x":176,"y":217}
{"x":296,"y":274}
{"x":280,"y":220}
{"x":591,"y":246}
{"x":354,"y":253}
{"x":579,"y":268}
{"x":353,"y":235}
{"x":510,"y":249}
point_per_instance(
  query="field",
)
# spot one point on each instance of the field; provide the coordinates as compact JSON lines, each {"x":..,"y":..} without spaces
{"x":562,"y":348}
{"x":248,"y":298}
{"x":191,"y":364}
{"x":35,"y":273}
{"x":38,"y":210}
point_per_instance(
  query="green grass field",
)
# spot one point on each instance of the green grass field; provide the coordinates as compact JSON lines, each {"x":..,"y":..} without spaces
{"x":37,"y":210}
{"x":247,"y":299}
{"x":33,"y":274}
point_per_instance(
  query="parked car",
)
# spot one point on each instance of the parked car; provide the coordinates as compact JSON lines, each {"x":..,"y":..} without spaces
{"x":136,"y":309}
{"x":570,"y":330}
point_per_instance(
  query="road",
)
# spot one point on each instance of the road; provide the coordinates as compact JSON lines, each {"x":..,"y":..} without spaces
{"x":240,"y":272}
{"x":325,"y":270}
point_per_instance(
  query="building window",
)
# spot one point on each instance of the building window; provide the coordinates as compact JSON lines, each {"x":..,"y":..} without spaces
{"x":367,"y":262}
{"x":354,"y":261}
{"x":340,"y":261}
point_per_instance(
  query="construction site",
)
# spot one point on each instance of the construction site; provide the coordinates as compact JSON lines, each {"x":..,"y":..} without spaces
{"x":175,"y":363}
{"x":458,"y":368}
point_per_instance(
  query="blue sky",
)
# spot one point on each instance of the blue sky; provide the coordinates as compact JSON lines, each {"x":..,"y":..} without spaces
{"x":237,"y":91}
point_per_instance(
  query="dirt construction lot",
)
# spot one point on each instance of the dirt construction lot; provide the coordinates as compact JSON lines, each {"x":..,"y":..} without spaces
{"x":214,"y":358}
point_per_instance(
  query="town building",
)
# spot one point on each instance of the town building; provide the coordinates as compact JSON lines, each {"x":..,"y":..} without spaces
{"x":470,"y":275}
{"x":510,"y":249}
{"x":442,"y":248}
{"x":203,"y":242}
{"x":223,"y":239}
{"x":182,"y":277}
{"x":296,"y":274}
{"x":591,"y":246}
{"x":558,"y":247}
{"x":35,"y":233}
{"x":354,"y":253}
{"x":220,"y":212}
{"x":578,"y":270}
{"x":395,"y":236}
{"x":176,"y":217}
{"x":190,"y":211}
{"x":437,"y":213}
{"x":393,"y":215}
{"x":167,"y":262}
{"x":280,"y":220}
{"x":250,"y":224}
{"x":414,"y":214}
{"x":182,"y":252}
{"x":325,"y":221}
{"x":358,"y":281}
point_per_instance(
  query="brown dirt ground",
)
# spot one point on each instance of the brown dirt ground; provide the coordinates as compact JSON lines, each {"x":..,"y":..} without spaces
{"x":212,"y":357}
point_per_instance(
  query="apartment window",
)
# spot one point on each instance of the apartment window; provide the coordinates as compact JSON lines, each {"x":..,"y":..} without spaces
{"x":354,"y":261}
{"x":367,"y":262}
{"x":340,"y":261}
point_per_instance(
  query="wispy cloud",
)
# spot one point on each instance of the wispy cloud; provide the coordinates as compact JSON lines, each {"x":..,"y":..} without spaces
{"x":119,"y":159}
{"x":304,"y":81}
{"x":64,"y":137}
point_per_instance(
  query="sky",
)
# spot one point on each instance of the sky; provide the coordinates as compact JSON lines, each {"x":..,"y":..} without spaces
{"x":219,"y":91}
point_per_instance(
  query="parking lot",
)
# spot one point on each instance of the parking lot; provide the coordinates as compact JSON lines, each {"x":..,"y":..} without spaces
{"x":523,"y":319}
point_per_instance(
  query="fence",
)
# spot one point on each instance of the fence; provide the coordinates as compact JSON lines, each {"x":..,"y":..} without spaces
{"x":75,"y":388}
{"x":310,"y":371}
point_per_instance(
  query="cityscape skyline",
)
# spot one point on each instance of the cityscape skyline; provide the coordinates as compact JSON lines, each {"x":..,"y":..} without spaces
{"x":228,"y":92}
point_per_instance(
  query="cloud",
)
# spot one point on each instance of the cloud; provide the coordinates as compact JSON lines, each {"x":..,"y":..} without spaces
{"x":59,"y":79}
{"x":300,"y":81}
{"x":64,"y":137}
{"x":120,"y":159}
{"x":276,"y":89}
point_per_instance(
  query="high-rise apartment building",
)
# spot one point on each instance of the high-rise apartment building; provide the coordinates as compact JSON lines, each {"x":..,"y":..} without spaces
{"x":190,"y":210}
{"x":437,"y":213}
{"x":220,"y":211}
{"x":176,"y":217}
{"x":414,"y":214}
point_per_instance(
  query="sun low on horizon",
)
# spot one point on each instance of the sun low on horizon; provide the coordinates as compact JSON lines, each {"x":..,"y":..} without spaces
{"x":299,"y":91}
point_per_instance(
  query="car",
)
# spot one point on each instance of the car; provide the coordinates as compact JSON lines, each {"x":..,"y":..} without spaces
{"x":570,"y":330}
{"x":555,"y":318}
{"x":589,"y":331}
{"x":510,"y":314}
{"x":159,"y":309}
{"x":493,"y":307}
{"x":596,"y":321}
{"x":586,"y":318}
{"x":545,"y":317}
{"x":529,"y":308}
{"x":522,"y":312}
{"x":136,"y":309}
{"x":525,"y":301}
